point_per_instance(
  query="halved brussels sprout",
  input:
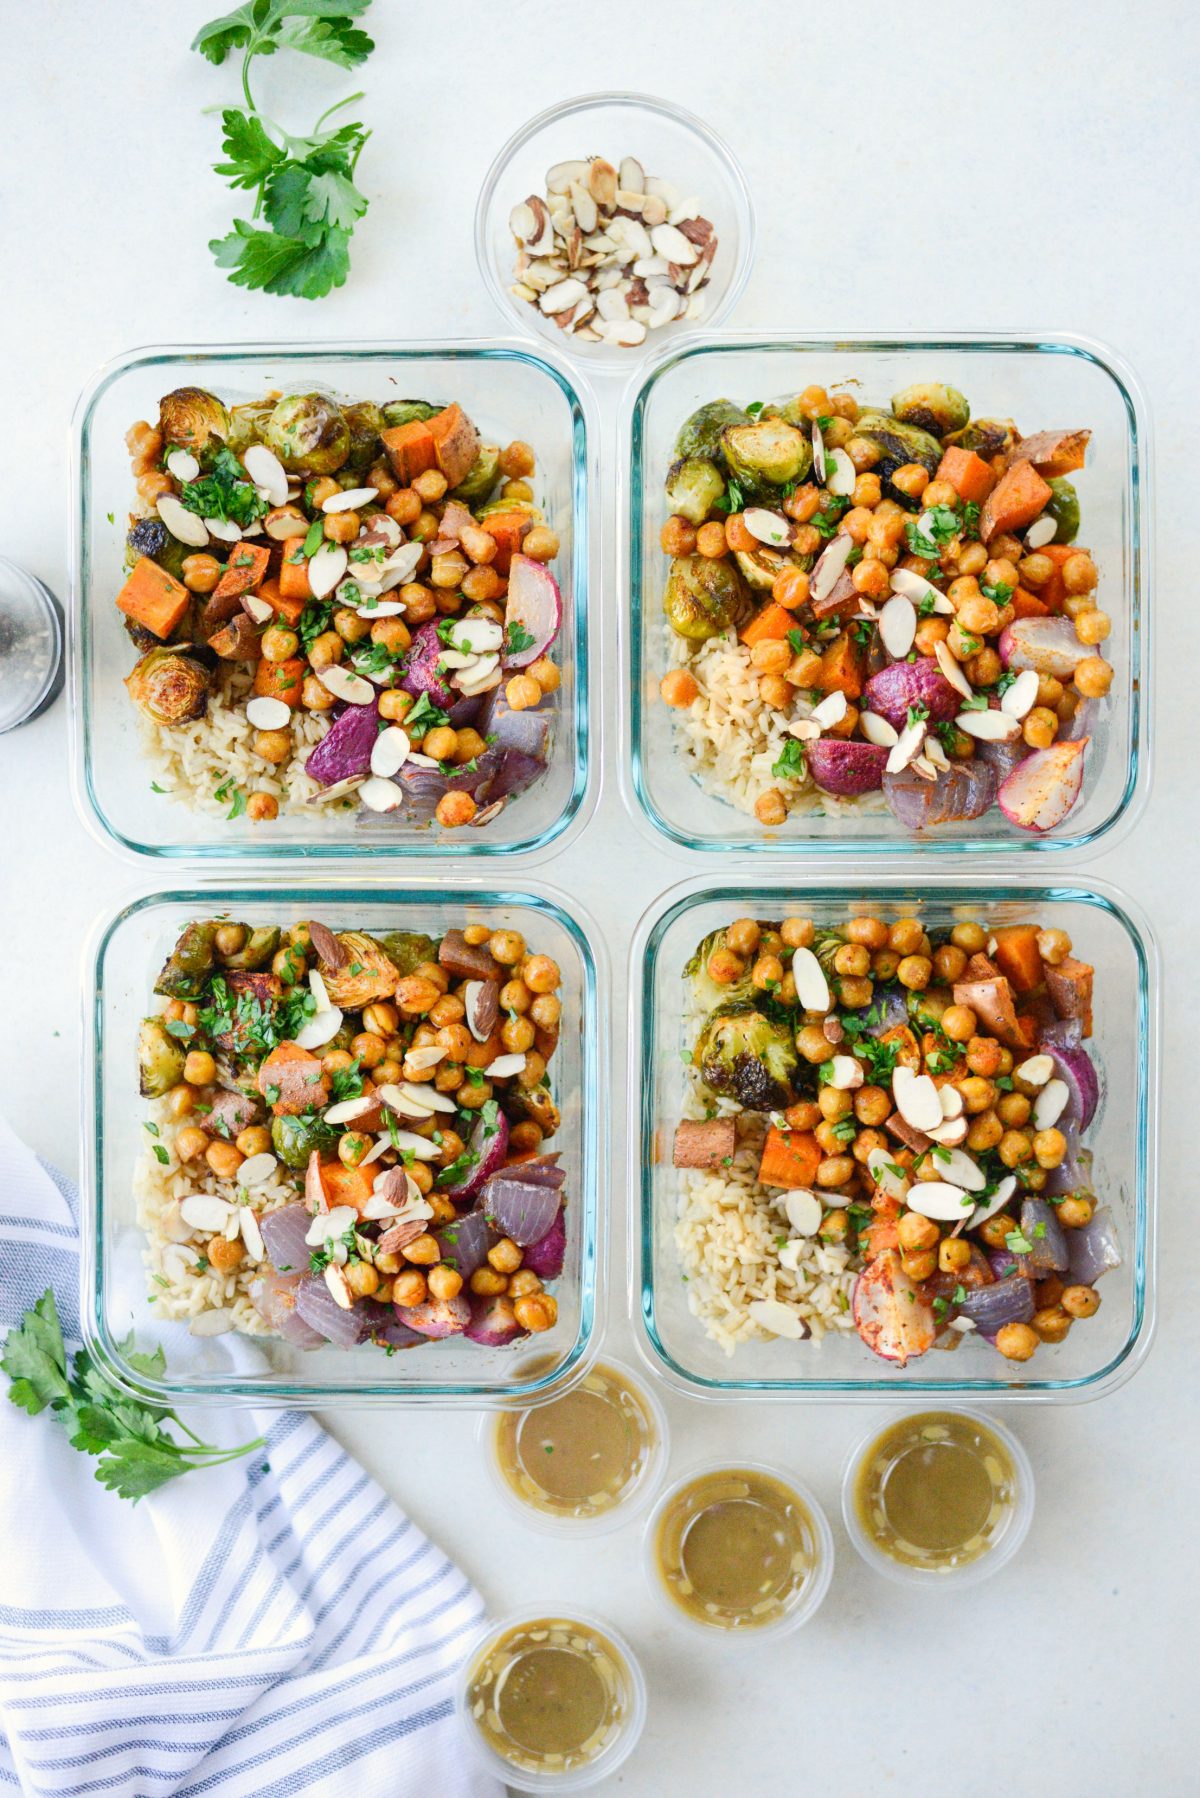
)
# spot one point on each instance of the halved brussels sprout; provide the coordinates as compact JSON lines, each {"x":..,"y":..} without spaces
{"x":247,"y":425}
{"x":897,"y":443}
{"x":294,"y":1139}
{"x":704,"y":596}
{"x":694,"y":486}
{"x":309,"y":434}
{"x":1063,"y":507}
{"x":160,"y":1059}
{"x":768,"y":453}
{"x":931,"y":407}
{"x":701,"y":434}
{"x":481,"y":476}
{"x":988,"y":437}
{"x":365,"y":421}
{"x":190,"y":963}
{"x":403,"y":412}
{"x":169,"y":687}
{"x":407,"y":949}
{"x":256,"y":952}
{"x":190,"y":418}
{"x":747,"y":1056}
{"x":150,"y":537}
{"x":762,"y":566}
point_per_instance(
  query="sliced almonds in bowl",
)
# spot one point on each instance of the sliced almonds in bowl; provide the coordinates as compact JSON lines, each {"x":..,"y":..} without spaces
{"x":610,"y":254}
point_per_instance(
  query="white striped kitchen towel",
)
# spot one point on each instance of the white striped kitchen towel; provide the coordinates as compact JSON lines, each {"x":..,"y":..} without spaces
{"x":272,"y":1626}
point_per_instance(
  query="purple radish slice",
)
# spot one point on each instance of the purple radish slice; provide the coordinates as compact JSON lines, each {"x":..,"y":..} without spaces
{"x":436,"y":1318}
{"x":540,"y":1170}
{"x":545,"y":1256}
{"x":489,"y":1144}
{"x":283,"y":1234}
{"x":1040,"y":792}
{"x":1041,"y":1227}
{"x":345,"y":749}
{"x":1093,"y":1248}
{"x":532,"y":612}
{"x":465,"y":1242}
{"x":318,"y":1307}
{"x":962,"y":791}
{"x":522,"y":1211}
{"x":493,"y":1322}
{"x":274,"y":1298}
{"x":421,"y":671}
{"x":1047,"y":645}
{"x":846,"y":769}
{"x":1061,"y":1033}
{"x":1075,"y":1066}
{"x":903,"y":684}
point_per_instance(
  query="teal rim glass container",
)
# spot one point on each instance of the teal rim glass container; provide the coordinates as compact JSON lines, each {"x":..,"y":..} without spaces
{"x":512,"y":391}
{"x":1042,"y":381}
{"x":125,"y":953}
{"x":1101,"y":1352}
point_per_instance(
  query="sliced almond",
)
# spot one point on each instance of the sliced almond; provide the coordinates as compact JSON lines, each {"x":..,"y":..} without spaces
{"x":349,"y":499}
{"x":818,"y":450}
{"x":339,"y":1287}
{"x":777,"y":1319}
{"x":997,"y":1202}
{"x":379,"y":795}
{"x":844,"y":475}
{"x":888,"y":1175}
{"x":205,"y":1211}
{"x":521,"y":222}
{"x":259,"y":611}
{"x":584,"y":207}
{"x":256,"y":1248}
{"x":257,"y":1168}
{"x":1036,"y":1071}
{"x":224,"y":529}
{"x":344,"y":684}
{"x":265,"y":713}
{"x":952,"y":670}
{"x":562,"y":296}
{"x":315,"y":1032}
{"x":421,"y":1060}
{"x":845,"y":1073}
{"x":1050,"y":1104}
{"x":960,"y":1169}
{"x":1043,"y":530}
{"x":830,"y":711}
{"x":812,"y":988}
{"x":952,"y":1101}
{"x":267,"y":471}
{"x":876,"y":729}
{"x":326,"y":569}
{"x":767,"y":527}
{"x":898,"y":626}
{"x":654,"y":210}
{"x":612,"y":303}
{"x":990,"y":726}
{"x":805,"y":730}
{"x":914,"y":586}
{"x":318,"y":989}
{"x":505,"y":1066}
{"x":935,"y":755}
{"x":183,"y":465}
{"x":602,"y":182}
{"x":922,"y":766}
{"x":180,"y":522}
{"x":478,"y":636}
{"x":907,"y":746}
{"x":669,"y":241}
{"x":830,"y":567}
{"x":389,"y":752}
{"x":1019,"y":699}
{"x":937,"y":1199}
{"x":631,"y":176}
{"x":346,"y":1110}
{"x":916,"y":1099}
{"x":407,"y":1142}
{"x":212,"y":1323}
{"x":399,"y":1098}
{"x":560,"y":177}
{"x":950,"y":1132}
{"x":803,"y":1210}
{"x":432,"y":1101}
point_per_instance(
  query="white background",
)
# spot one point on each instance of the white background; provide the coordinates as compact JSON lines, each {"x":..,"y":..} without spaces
{"x":1029,"y":167}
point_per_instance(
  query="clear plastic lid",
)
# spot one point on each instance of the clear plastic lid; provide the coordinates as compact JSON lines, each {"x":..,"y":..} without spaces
{"x":30,"y":645}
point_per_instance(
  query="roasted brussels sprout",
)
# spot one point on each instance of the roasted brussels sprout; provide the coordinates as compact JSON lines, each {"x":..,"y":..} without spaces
{"x":481,"y":477}
{"x":701,"y":435}
{"x":898,"y":443}
{"x":247,"y":425}
{"x":150,"y":537}
{"x":256,"y":952}
{"x":365,"y":421}
{"x":709,"y":993}
{"x":536,"y":1104}
{"x":988,"y":437}
{"x":160,"y":1059}
{"x":295,"y":1138}
{"x":190,"y":418}
{"x":402,"y":412}
{"x":932,"y":407}
{"x":407,"y":949}
{"x":170,"y":687}
{"x":767,"y":453}
{"x":309,"y":434}
{"x":762,"y":566}
{"x":703,"y":597}
{"x":1063,"y":507}
{"x":748,"y":1057}
{"x":189,"y":964}
{"x":694,"y":486}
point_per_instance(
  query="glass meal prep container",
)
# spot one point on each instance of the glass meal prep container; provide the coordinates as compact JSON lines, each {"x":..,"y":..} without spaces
{"x":1107,"y":930}
{"x":1044,"y":382}
{"x":125,"y":954}
{"x":510,"y":390}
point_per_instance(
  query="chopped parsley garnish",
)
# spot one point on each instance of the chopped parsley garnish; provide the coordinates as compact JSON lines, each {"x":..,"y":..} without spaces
{"x":1018,"y":1243}
{"x":424,"y":716}
{"x":224,"y":492}
{"x":1001,"y":592}
{"x":517,"y":639}
{"x":790,"y":764}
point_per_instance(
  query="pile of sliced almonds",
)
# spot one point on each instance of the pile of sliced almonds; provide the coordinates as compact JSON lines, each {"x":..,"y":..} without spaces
{"x":611,"y":253}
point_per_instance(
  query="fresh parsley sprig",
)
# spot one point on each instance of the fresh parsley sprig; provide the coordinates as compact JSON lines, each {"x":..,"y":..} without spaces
{"x":136,"y":1454}
{"x":303,"y":187}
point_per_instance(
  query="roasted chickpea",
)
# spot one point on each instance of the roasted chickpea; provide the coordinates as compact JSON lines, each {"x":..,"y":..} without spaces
{"x":1080,"y":1301}
{"x":711,"y":540}
{"x":487,"y":1283}
{"x":911,"y":479}
{"x":917,"y":1232}
{"x":316,"y":697}
{"x":983,"y":1056}
{"x":918,"y":1264}
{"x":725,"y":967}
{"x":767,"y":973}
{"x":914,"y":972}
{"x":444,"y":1282}
{"x":278,"y":644}
{"x":200,"y":573}
{"x":1074,"y":1212}
{"x":677,"y":537}
{"x":537,"y":1312}
{"x":230,"y":939}
{"x":872,"y":1105}
{"x":431,"y":485}
{"x":906,"y":936}
{"x":1013,"y":1110}
{"x":454,"y":810}
{"x":274,"y":746}
{"x":342,"y":527}
{"x":834,"y":1104}
{"x":852,"y":958}
{"x":1016,"y":1342}
{"x":679,"y":688}
{"x":1051,"y":1323}
{"x":181,"y":1100}
{"x":404,"y":506}
{"x":325,"y":650}
{"x":985,"y":1132}
{"x":953,"y":1254}
{"x":224,"y":1159}
{"x":836,"y":1170}
{"x":190,"y":1143}
{"x":995,"y":1230}
{"x":152,"y":484}
{"x":770,"y":808}
{"x":505,"y":1256}
{"x":223,"y":1255}
{"x":1014,"y":1147}
{"x":1093,"y":677}
{"x":541,"y":543}
{"x":410,"y":1287}
{"x":255,"y":1139}
{"x":797,"y":933}
{"x":199,"y":1068}
{"x":1079,"y":573}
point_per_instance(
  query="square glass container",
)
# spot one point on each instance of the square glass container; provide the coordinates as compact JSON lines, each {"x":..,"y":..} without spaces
{"x":1101,"y":1352}
{"x":122,"y":960}
{"x":511,"y":391}
{"x":1042,"y":382}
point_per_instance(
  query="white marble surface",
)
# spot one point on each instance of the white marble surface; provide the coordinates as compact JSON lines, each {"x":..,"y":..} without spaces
{"x":1022,"y":166}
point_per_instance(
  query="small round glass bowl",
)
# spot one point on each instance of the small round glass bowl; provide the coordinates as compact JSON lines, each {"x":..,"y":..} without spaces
{"x":944,"y":1578}
{"x":670,"y":143}
{"x":611,"y":1756}
{"x":803,"y":1604}
{"x":631,"y":1498}
{"x":31,"y":646}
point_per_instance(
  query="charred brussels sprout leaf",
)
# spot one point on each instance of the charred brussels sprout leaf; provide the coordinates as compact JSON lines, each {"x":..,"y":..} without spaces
{"x":536,"y":1104}
{"x":1063,"y":507}
{"x":746,"y":1056}
{"x":897,"y":442}
{"x":931,"y":407}
{"x":709,"y":992}
{"x":988,"y":437}
{"x":295,"y":1138}
{"x":694,"y":486}
{"x":364,"y":420}
{"x":404,"y":412}
{"x":481,"y":476}
{"x":160,"y":1059}
{"x":761,"y":567}
{"x":768,"y":453}
{"x":407,"y":949}
{"x":704,"y":597}
{"x":150,"y":537}
{"x":191,"y":418}
{"x":247,"y":425}
{"x":309,"y":434}
{"x":170,"y":688}
{"x":189,"y":964}
{"x":256,"y":952}
{"x":701,"y":435}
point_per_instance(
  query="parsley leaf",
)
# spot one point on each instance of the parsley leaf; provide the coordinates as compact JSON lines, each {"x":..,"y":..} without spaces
{"x":224,"y":492}
{"x":517,"y":639}
{"x":790,"y":765}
